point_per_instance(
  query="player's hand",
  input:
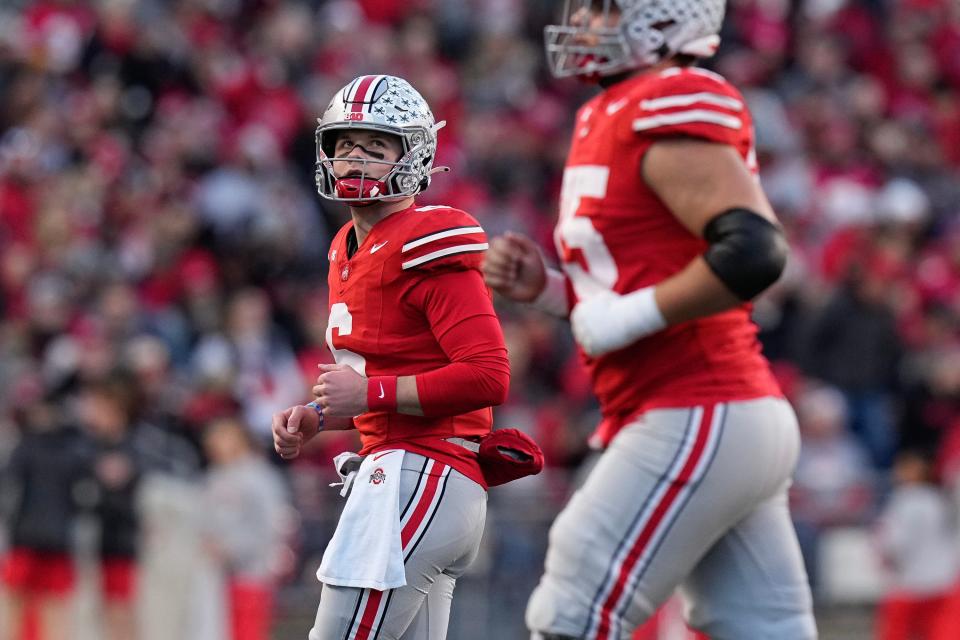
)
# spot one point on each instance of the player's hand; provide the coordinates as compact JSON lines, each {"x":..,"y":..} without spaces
{"x":514,"y":267}
{"x":292,"y":428}
{"x":598,"y":325}
{"x":341,"y":391}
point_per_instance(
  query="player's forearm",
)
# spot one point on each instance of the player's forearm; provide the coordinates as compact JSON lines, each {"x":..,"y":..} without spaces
{"x":408,"y":399}
{"x":462,"y":387}
{"x":693,"y":293}
{"x":453,"y":389}
{"x":746,"y":253}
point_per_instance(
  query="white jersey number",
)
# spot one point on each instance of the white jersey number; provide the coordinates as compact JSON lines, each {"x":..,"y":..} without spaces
{"x":578,"y":232}
{"x":341,"y":320}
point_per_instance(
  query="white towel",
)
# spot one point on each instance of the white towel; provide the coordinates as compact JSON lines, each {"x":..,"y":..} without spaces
{"x":365,"y":550}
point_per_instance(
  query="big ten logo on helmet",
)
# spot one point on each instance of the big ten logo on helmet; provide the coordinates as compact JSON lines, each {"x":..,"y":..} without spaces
{"x":378,"y":476}
{"x":353,"y":116}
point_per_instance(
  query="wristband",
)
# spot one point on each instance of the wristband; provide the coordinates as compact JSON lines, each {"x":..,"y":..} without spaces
{"x":608,"y":321}
{"x":316,"y":407}
{"x":382,"y":393}
{"x":641,"y":312}
{"x":553,"y":298}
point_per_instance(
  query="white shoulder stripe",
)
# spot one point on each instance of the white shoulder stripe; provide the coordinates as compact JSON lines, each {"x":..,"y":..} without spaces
{"x":449,"y":251}
{"x":700,"y":71}
{"x":687,"y":99}
{"x":440,"y":235}
{"x":686,"y":117}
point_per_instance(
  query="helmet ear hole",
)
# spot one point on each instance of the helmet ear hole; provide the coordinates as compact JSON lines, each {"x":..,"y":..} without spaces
{"x":395,"y":186}
{"x":328,"y":142}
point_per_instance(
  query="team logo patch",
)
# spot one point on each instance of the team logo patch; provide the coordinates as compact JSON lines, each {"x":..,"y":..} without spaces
{"x":345,"y":273}
{"x":378,"y":476}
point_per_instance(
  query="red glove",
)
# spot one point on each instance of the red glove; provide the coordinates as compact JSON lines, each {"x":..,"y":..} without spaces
{"x":508,"y":454}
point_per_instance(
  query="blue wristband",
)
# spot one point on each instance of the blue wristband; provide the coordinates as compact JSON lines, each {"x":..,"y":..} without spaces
{"x":316,"y":407}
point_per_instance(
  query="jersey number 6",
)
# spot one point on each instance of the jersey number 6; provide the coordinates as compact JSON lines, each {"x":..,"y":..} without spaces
{"x":341,"y":320}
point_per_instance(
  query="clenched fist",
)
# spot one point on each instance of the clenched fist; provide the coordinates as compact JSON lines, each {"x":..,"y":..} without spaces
{"x":341,"y":391}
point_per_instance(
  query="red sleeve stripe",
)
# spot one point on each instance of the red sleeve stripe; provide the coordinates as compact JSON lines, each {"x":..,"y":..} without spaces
{"x":440,"y":235}
{"x":442,"y":253}
{"x":687,"y":99}
{"x":686,"y":117}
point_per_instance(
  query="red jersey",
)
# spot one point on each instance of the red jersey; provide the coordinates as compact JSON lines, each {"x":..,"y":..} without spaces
{"x":614,"y":233}
{"x":385,"y":320}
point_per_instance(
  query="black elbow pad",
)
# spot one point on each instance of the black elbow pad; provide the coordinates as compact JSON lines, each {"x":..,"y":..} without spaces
{"x":747,"y":251}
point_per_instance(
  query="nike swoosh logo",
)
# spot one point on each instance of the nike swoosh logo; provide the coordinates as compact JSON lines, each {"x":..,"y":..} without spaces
{"x":380,"y":455}
{"x":376,"y":248}
{"x":613,"y":107}
{"x":381,"y":391}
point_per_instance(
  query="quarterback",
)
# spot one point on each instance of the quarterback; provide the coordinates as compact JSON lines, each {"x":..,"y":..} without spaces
{"x":420,"y":361}
{"x":665,"y":236}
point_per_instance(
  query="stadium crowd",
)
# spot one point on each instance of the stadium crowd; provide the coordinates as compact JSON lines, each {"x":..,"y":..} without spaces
{"x":162,"y":255}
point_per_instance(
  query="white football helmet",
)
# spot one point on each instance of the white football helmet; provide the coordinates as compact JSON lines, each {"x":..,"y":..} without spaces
{"x":381,"y":103}
{"x":635,"y":34}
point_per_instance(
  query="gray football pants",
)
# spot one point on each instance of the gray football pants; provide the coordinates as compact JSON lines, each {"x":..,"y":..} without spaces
{"x":445,"y":513}
{"x":692,"y":497}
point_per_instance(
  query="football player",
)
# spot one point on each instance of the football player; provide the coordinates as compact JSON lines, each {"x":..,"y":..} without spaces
{"x":665,"y":236}
{"x":420,"y":361}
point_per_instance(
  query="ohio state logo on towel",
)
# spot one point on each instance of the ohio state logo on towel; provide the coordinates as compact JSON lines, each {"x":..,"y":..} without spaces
{"x":377,"y":476}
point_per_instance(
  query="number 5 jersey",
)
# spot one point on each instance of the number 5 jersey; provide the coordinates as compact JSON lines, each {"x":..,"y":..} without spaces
{"x":614,"y":233}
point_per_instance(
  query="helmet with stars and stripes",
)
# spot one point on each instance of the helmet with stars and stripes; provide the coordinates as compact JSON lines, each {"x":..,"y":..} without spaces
{"x":599,"y":38}
{"x":387,"y":104}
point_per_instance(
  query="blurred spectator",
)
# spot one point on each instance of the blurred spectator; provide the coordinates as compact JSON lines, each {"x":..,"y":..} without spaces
{"x":917,"y":537}
{"x":260,"y":359}
{"x":125,"y":450}
{"x":39,"y":492}
{"x":931,"y":420}
{"x":105,"y":410}
{"x":248,"y":526}
{"x":181,"y":591}
{"x":833,"y":483}
{"x":854,"y":345}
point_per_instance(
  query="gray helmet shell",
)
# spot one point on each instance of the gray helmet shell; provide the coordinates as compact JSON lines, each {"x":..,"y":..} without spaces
{"x":388,"y":104}
{"x":640,"y":34}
